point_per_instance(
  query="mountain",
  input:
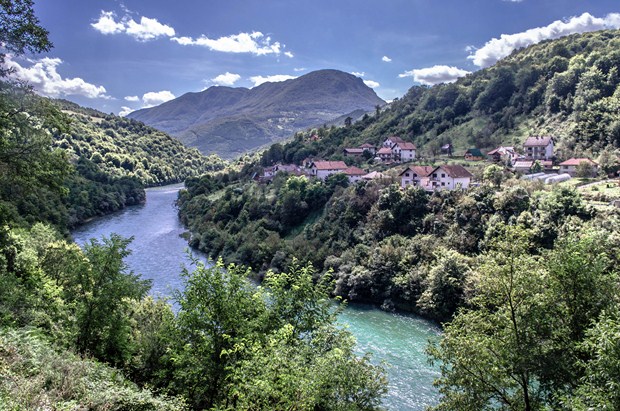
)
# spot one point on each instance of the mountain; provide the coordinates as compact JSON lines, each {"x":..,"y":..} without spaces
{"x":230,"y":121}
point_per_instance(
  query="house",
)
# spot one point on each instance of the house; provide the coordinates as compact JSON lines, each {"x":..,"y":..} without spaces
{"x":385,"y":154}
{"x":538,"y":148}
{"x":369,"y":147}
{"x":503,"y":154}
{"x":353,"y":152}
{"x":390,"y":141}
{"x":403,"y":151}
{"x":322,"y":169}
{"x":474,"y":154}
{"x":270,"y":172}
{"x":354,"y":173}
{"x":570,"y":166}
{"x":523,"y":166}
{"x":449,"y":178}
{"x":417,"y":176}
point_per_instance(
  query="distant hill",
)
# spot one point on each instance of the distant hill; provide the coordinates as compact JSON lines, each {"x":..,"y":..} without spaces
{"x":230,"y":121}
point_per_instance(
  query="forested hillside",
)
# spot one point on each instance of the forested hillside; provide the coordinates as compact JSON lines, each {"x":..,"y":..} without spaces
{"x":566,"y":88}
{"x":77,"y":327}
{"x":523,"y":276}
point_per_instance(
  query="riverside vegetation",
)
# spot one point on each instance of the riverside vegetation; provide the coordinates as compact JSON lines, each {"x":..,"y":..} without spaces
{"x":523,"y":277}
{"x":77,"y":329}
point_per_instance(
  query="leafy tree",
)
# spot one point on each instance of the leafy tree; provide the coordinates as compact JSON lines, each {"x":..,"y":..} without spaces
{"x":584,"y":170}
{"x":494,"y":174}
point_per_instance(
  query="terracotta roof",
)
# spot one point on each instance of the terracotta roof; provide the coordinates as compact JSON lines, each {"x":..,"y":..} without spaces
{"x":537,"y":141}
{"x":395,"y":139}
{"x":354,"y":171}
{"x":330,"y":165}
{"x":455,"y":171}
{"x":421,"y":171}
{"x":576,"y":161}
{"x":384,"y":150}
{"x":405,"y":146}
{"x":366,"y":145}
{"x":501,"y":150}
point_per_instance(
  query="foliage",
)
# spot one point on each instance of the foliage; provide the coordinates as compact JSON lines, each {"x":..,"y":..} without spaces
{"x":241,"y":347}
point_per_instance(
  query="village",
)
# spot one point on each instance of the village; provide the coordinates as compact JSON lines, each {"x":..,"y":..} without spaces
{"x":535,"y":161}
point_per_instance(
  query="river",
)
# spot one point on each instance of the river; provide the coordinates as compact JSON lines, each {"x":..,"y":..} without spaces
{"x":159,"y":253}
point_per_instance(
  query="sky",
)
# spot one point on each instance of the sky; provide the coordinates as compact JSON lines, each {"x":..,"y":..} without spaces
{"x":123,"y":55}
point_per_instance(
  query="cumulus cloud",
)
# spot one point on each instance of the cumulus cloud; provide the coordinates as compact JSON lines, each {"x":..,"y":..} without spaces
{"x":258,"y":80}
{"x":146,"y":29}
{"x":226,"y":79}
{"x":495,"y":49}
{"x":125,"y":111}
{"x":154,"y":98}
{"x":371,"y":84}
{"x":358,"y":73}
{"x":298,"y":69}
{"x":289,"y":54}
{"x":254,"y":43}
{"x":44,"y":77}
{"x":435,"y":75}
{"x":132,"y":98}
{"x":386,"y":59}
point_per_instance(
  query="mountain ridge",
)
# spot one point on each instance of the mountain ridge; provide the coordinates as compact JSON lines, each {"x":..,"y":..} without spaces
{"x":231,"y":121}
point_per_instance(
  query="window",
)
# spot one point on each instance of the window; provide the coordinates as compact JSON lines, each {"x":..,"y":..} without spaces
{"x":435,"y":175}
{"x":443,"y":184}
{"x":443,"y":175}
{"x":406,"y":174}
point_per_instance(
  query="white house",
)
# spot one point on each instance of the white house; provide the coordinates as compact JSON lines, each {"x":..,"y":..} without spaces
{"x":417,"y":176}
{"x":390,"y":141}
{"x":403,"y":151}
{"x":449,"y":178}
{"x":538,"y":148}
{"x":570,"y":166}
{"x":385,"y":154}
{"x":354,"y":174}
{"x":322,"y":169}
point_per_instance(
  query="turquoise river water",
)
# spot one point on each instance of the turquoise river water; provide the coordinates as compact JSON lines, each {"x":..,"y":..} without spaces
{"x":159,"y":253}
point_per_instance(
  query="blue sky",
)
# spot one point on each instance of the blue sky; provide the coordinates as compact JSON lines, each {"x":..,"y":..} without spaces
{"x":118,"y":56}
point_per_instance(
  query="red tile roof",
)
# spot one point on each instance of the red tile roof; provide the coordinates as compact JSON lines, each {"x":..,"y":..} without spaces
{"x":354,"y":171}
{"x":420,"y":171}
{"x":576,"y":161}
{"x":406,"y":146}
{"x":455,"y":171}
{"x":537,"y":141}
{"x":330,"y":165}
{"x":384,"y":150}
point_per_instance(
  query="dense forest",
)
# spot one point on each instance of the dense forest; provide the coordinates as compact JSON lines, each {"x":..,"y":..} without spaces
{"x":77,"y":327}
{"x":523,"y":276}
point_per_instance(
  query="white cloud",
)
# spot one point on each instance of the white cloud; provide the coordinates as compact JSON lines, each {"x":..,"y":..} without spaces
{"x":44,"y":77}
{"x":146,"y":29}
{"x":226,"y":79}
{"x":125,"y":111}
{"x":254,"y":43}
{"x":132,"y":98}
{"x":154,"y":98}
{"x":107,"y":24}
{"x":258,"y":80}
{"x":386,"y":59}
{"x":289,"y":54}
{"x":495,"y":49}
{"x":298,"y":69}
{"x":435,"y":74}
{"x":371,"y":84}
{"x":358,"y":73}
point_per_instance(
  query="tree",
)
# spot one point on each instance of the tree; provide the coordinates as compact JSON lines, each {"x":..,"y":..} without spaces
{"x":348,"y":121}
{"x":20,"y":30}
{"x":584,"y":170}
{"x":494,"y":174}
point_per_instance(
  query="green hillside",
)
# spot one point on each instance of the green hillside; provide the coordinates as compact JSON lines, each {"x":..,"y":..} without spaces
{"x":567,"y":88}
